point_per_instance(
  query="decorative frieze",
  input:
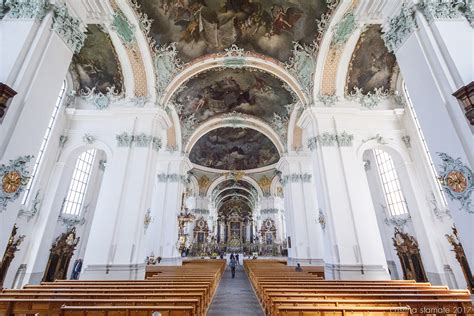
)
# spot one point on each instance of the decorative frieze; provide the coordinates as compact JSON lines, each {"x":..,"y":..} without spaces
{"x":147,"y":220}
{"x":370,"y":100}
{"x":124,"y":29}
{"x":34,"y":208}
{"x":71,"y":221}
{"x":69,"y":28}
{"x":88,"y":139}
{"x":407,"y":141}
{"x":322,"y":219}
{"x":328,"y":100}
{"x":63,"y":140}
{"x":167,"y":65}
{"x":378,"y":138}
{"x":100,"y":100}
{"x":296,"y":177}
{"x":326,"y":139}
{"x":397,"y":221}
{"x":201,"y":211}
{"x":140,"y":140}
{"x":14,"y":178}
{"x":312,"y":143}
{"x":270,"y":211}
{"x":439,"y":213}
{"x":400,"y":27}
{"x":457,"y":180}
{"x":302,"y":65}
{"x":25,"y":9}
{"x":441,"y":9}
{"x":102,"y":164}
{"x":344,"y":29}
{"x":172,"y":177}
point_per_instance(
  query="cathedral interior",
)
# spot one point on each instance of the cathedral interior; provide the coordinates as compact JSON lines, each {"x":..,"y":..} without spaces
{"x":306,"y":147}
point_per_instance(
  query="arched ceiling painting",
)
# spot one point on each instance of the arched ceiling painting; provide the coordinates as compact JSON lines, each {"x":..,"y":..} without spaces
{"x":230,"y":148}
{"x":372,"y":64}
{"x":96,"y":65}
{"x":215,"y":92}
{"x":200,"y":27}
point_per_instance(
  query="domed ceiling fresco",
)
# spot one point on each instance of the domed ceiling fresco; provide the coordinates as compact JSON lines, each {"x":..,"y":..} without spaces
{"x":231,"y":148}
{"x":201,"y":27}
{"x":96,"y":65}
{"x":215,"y":92}
{"x":372,"y":65}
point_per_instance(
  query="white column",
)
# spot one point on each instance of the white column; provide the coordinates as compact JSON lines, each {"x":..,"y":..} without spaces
{"x":351,"y":231}
{"x":438,"y":53}
{"x":34,"y":62}
{"x":301,"y":207}
{"x":169,"y":186}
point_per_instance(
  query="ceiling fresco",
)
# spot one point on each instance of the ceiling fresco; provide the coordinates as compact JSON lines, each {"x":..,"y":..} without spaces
{"x":372,"y":65}
{"x":96,"y":65}
{"x":215,"y":92}
{"x":200,"y":27}
{"x":230,"y":148}
{"x":235,"y":206}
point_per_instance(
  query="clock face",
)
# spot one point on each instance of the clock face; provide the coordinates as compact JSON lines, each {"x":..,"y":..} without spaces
{"x":457,"y":182}
{"x":11,"y":182}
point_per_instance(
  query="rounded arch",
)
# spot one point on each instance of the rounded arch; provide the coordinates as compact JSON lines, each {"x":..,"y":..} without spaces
{"x":223,"y":178}
{"x":229,"y":121}
{"x":398,"y":154}
{"x":72,"y":151}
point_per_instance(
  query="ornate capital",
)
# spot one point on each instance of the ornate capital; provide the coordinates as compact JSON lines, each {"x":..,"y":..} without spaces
{"x":69,"y":28}
{"x":400,"y":27}
{"x":25,"y":9}
{"x":441,"y":9}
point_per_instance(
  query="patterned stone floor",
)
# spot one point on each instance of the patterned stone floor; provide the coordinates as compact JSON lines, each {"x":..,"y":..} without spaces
{"x":235,"y":296}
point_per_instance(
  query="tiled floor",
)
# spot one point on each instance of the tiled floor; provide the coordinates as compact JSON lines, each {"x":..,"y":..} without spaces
{"x":235,"y":296}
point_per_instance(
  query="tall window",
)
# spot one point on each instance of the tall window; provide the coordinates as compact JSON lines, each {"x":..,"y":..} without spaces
{"x":423,"y":142}
{"x":46,"y":137}
{"x":396,"y":202}
{"x":80,"y":180}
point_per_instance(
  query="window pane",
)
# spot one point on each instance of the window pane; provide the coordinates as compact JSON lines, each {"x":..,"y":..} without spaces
{"x":79,"y":182}
{"x":394,"y":198}
{"x":47,"y":134}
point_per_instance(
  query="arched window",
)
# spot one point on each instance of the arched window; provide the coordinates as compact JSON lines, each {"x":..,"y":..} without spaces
{"x":47,"y":134}
{"x":394,"y":197}
{"x":80,"y":180}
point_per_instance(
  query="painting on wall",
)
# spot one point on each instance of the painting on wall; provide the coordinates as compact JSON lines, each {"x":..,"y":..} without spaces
{"x":230,"y":148}
{"x":372,"y":65}
{"x":215,"y":92}
{"x":200,"y":27}
{"x":96,"y":65}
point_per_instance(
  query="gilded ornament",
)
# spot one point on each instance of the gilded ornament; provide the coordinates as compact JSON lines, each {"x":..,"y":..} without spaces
{"x":457,"y":181}
{"x":11,"y":182}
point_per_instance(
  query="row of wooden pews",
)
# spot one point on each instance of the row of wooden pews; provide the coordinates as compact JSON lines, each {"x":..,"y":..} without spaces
{"x":283,"y":291}
{"x":172,"y":291}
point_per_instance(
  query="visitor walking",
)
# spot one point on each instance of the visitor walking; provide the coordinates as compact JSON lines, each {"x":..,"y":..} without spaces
{"x":237,"y":258}
{"x":232,"y":265}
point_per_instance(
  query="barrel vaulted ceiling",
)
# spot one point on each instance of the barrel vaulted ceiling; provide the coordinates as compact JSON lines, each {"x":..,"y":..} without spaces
{"x":181,"y":34}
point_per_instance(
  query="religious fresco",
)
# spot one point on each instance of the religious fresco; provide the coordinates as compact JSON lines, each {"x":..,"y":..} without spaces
{"x":215,"y":92}
{"x":96,"y":65}
{"x":372,"y":64}
{"x":230,"y":148}
{"x":200,"y":27}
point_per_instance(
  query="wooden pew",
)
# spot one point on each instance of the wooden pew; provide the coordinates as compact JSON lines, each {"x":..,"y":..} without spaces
{"x":282,"y":291}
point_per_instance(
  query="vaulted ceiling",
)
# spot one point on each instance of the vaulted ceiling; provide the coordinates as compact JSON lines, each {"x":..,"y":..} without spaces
{"x":201,"y":27}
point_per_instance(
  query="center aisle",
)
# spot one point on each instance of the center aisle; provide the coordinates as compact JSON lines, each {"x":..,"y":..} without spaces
{"x":235,"y":296}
